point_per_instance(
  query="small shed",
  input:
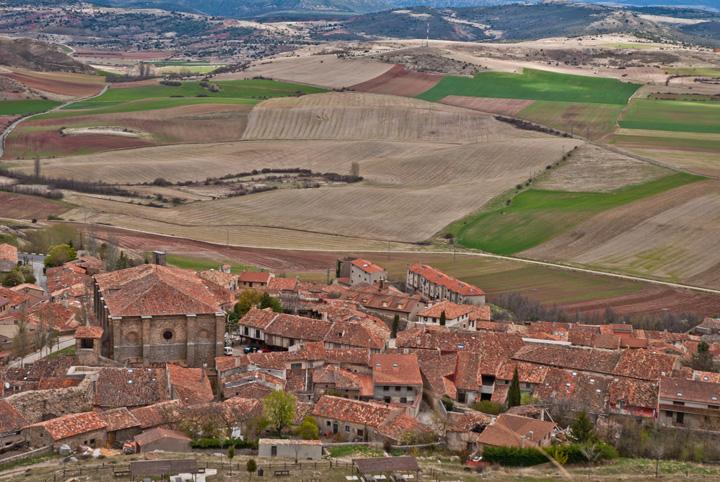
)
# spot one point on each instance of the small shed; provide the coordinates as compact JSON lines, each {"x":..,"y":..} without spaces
{"x":162,"y":468}
{"x":162,"y":439}
{"x":392,"y":468}
{"x":290,"y":448}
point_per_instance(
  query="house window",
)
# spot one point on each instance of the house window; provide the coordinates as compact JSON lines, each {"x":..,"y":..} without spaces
{"x":168,"y":334}
{"x":387,"y":399}
{"x":327,"y":423}
{"x":714,"y":407}
{"x":403,"y":399}
{"x":397,"y":389}
{"x":678,"y":403}
{"x":680,"y":418}
{"x":247,"y":331}
{"x":360,"y":432}
{"x":347,"y":428}
{"x":386,"y":388}
{"x":257,"y":334}
{"x":86,"y":343}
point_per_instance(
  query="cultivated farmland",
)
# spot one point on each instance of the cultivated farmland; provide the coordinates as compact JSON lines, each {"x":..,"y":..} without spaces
{"x":25,"y":107}
{"x":590,"y":120}
{"x":671,"y":115}
{"x":61,"y":84}
{"x":535,"y":85}
{"x":536,"y":216}
{"x":399,"y":81}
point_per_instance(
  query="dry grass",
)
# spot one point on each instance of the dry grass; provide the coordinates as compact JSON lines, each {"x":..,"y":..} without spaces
{"x":593,"y":169}
{"x":672,"y":235}
{"x":321,"y":70}
{"x":489,"y":104}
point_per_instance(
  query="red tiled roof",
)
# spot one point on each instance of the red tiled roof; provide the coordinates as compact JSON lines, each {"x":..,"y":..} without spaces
{"x":633,"y":393}
{"x":298,"y":327}
{"x":282,"y":284}
{"x":392,"y":369}
{"x":118,"y":419}
{"x":53,"y":315}
{"x":353,"y":411}
{"x":162,"y":413}
{"x":448,"y":341}
{"x":10,"y":419}
{"x":452,"y":310}
{"x":527,"y":372}
{"x":515,"y":431}
{"x":159,"y":433}
{"x":644,"y":364}
{"x":13,"y":297}
{"x":151,"y":289}
{"x":437,"y":277}
{"x":367,"y":266}
{"x":130,"y":387}
{"x":254,"y":277}
{"x":343,"y":379}
{"x":689,"y":390}
{"x":71,"y":425}
{"x":87,"y":331}
{"x":189,"y":385}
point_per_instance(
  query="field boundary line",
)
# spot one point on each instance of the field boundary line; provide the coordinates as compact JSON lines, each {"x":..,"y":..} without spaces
{"x":479,"y":254}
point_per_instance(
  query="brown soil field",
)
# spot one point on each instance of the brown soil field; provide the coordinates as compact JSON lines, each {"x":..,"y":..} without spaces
{"x":672,"y":235}
{"x":509,"y":107}
{"x":20,"y":206}
{"x":139,"y":55}
{"x":399,"y":81}
{"x":23,"y":144}
{"x":60,"y":83}
{"x":314,"y":264}
{"x":352,"y":116}
{"x":187,"y":124}
{"x":594,"y":169}
{"x":406,"y":199}
{"x":135,"y":83}
{"x":321,"y":70}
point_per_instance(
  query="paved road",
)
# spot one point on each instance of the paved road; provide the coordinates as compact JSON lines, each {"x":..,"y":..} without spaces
{"x":37,"y":261}
{"x":65,"y":341}
{"x":9,"y":129}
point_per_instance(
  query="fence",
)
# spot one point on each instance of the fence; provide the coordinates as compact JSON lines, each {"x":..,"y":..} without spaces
{"x":27,"y":455}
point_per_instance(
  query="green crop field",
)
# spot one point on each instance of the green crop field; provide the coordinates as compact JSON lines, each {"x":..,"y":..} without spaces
{"x":150,"y":97}
{"x":536,"y":85}
{"x":699,"y":71}
{"x":536,"y":216}
{"x":670,"y":115}
{"x":589,"y":120}
{"x":25,"y":107}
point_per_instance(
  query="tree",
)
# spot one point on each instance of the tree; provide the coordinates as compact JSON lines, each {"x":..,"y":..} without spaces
{"x":59,"y":255}
{"x":514,"y":395}
{"x":13,"y":278}
{"x":251,"y":467}
{"x":231,"y":453}
{"x":279,"y":408}
{"x":395,"y":326}
{"x":582,"y":429}
{"x":702,"y":359}
{"x":442,"y":318}
{"x":308,"y":429}
{"x":267,"y":301}
{"x":247,"y":299}
{"x":21,"y":340}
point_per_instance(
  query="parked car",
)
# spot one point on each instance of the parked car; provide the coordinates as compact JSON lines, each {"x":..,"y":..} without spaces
{"x":228,"y":350}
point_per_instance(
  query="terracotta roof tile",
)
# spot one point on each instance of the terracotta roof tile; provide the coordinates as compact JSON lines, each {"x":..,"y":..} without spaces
{"x":8,"y":252}
{"x":159,"y":433}
{"x":449,"y":341}
{"x":515,"y":431}
{"x":282,"y":284}
{"x":392,"y":369}
{"x":151,"y":289}
{"x":10,"y":419}
{"x":452,"y":310}
{"x":254,"y":277}
{"x":189,"y":385}
{"x":86,"y":331}
{"x":527,"y":372}
{"x":689,"y":390}
{"x":71,"y":425}
{"x":162,"y":413}
{"x":367,"y":266}
{"x":130,"y":387}
{"x":439,"y":278}
{"x":118,"y":419}
{"x":633,"y":393}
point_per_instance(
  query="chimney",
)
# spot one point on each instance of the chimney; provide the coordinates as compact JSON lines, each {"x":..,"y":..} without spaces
{"x":159,"y":258}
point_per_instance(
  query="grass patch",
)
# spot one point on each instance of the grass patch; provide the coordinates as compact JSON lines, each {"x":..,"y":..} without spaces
{"x":537,"y":216}
{"x":28,"y":461}
{"x":248,"y":90}
{"x":68,"y":351}
{"x":25,"y":107}
{"x":202,"y":264}
{"x":669,"y":115}
{"x":536,"y":85}
{"x":339,"y":451}
{"x":698,"y":71}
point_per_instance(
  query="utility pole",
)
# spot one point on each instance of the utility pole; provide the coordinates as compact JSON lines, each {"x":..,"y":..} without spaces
{"x":427,"y":35}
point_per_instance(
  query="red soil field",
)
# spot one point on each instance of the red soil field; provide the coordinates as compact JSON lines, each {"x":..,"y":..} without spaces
{"x":21,"y":206}
{"x":23,"y":144}
{"x":135,"y":83}
{"x":61,"y":84}
{"x":6,"y":120}
{"x":653,"y":300}
{"x":399,"y":81}
{"x":145,"y":55}
{"x":494,"y":106}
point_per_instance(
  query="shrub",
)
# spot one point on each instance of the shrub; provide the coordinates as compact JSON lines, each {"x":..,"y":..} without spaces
{"x":486,"y":406}
{"x":216,"y":443}
{"x":514,"y":456}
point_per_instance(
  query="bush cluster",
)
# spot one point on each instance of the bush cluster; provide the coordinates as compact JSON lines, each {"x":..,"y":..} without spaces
{"x":216,"y":443}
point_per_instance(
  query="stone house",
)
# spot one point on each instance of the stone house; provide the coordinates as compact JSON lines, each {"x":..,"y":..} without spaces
{"x":689,"y":403}
{"x":87,"y":344}
{"x":11,"y":424}
{"x":157,"y":314}
{"x":364,"y":271}
{"x":8,"y":257}
{"x":456,"y":316}
{"x":254,"y":279}
{"x":517,"y":431}
{"x":75,"y":429}
{"x":396,"y":379}
{"x":162,"y":439}
{"x":122,"y":426}
{"x":433,"y":284}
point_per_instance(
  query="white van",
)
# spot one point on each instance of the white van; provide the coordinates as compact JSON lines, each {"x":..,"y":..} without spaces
{"x":228,"y":351}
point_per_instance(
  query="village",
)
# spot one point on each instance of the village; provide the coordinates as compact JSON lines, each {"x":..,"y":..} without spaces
{"x":157,"y":358}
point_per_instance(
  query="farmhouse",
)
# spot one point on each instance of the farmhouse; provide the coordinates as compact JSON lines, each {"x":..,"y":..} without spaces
{"x":8,"y":257}
{"x":689,"y":403}
{"x":254,"y":279}
{"x":86,"y":428}
{"x":290,"y":449}
{"x":517,"y":431}
{"x":456,"y":316}
{"x":364,"y":271}
{"x":156,"y":314}
{"x":433,"y":284}
{"x":397,"y":379}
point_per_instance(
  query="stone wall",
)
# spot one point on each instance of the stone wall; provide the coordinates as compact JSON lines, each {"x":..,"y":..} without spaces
{"x":39,"y":405}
